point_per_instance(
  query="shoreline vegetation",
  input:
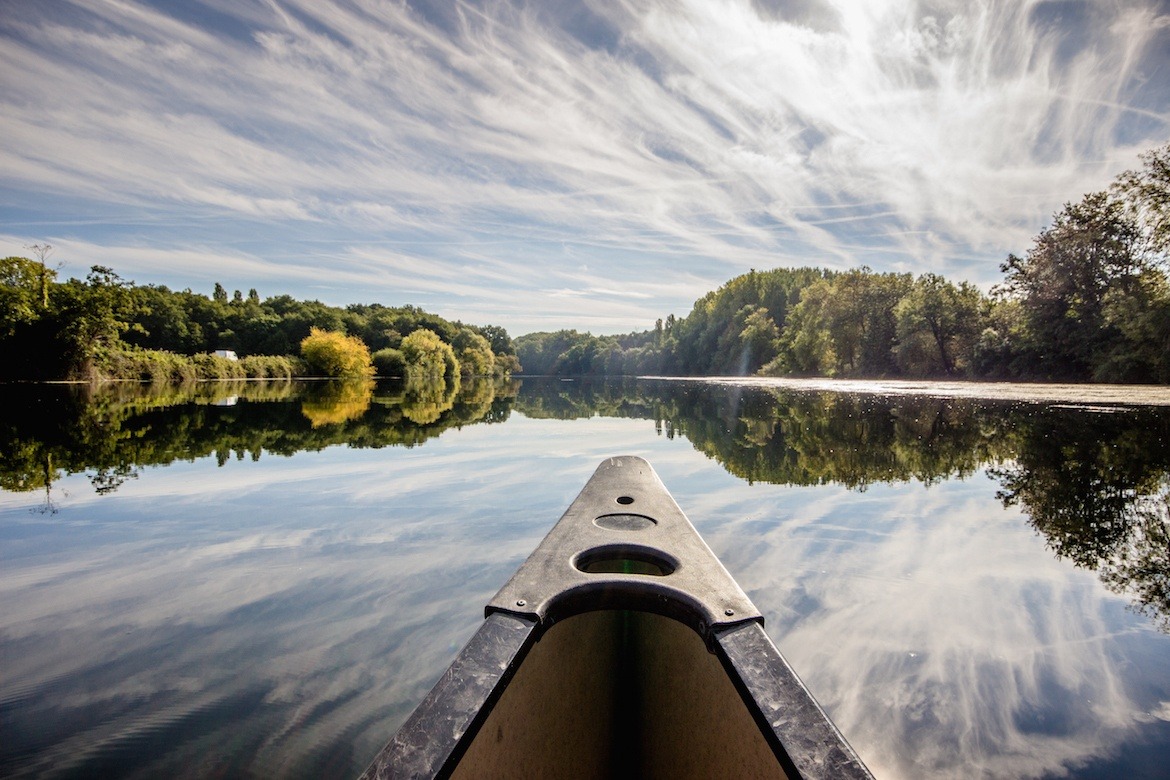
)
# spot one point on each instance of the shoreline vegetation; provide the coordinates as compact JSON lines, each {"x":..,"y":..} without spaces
{"x":1088,"y":302}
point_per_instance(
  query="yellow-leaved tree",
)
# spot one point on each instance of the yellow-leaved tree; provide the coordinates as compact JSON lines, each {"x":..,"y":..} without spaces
{"x":333,"y":354}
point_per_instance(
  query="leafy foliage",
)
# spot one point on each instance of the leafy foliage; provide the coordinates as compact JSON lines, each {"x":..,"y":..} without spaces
{"x":104,"y":327}
{"x":1146,"y":194}
{"x":938,"y":324}
{"x":389,"y":362}
{"x":474,"y":353}
{"x":427,"y":355}
{"x":1063,"y":280}
{"x":20,"y":296}
{"x":332,"y":354}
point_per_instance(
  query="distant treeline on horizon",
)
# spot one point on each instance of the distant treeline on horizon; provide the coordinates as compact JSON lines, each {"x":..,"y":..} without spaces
{"x":1089,"y":301}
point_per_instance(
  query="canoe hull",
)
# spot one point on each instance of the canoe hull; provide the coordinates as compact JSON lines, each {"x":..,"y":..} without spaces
{"x":620,"y":648}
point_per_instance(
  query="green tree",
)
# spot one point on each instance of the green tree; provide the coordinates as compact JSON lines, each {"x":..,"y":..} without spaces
{"x":499,"y":339}
{"x":759,"y":336}
{"x":541,"y":353}
{"x":843,"y":325}
{"x":89,"y":319}
{"x":163,"y":322}
{"x":389,"y":362}
{"x":333,"y":354}
{"x":219,"y":295}
{"x":20,"y":293}
{"x":586,"y":356}
{"x":474,"y":353}
{"x":1146,"y":193}
{"x":806,"y":345}
{"x":1140,"y":312}
{"x":1062,"y":283}
{"x":508,"y":364}
{"x":427,"y":355}
{"x":938,"y":323}
{"x":1000,"y":350}
{"x":711,"y":339}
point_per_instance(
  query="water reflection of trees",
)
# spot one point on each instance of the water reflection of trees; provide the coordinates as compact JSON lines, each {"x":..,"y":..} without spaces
{"x":110,"y":432}
{"x":1094,"y":483}
{"x":1097,"y":486}
{"x":798,"y":438}
{"x":424,"y":401}
{"x":336,"y":403}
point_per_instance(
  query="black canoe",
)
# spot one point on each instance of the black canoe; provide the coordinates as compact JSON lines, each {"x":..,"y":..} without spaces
{"x":621,"y":648}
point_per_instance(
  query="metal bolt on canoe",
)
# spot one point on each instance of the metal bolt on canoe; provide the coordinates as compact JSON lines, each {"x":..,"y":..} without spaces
{"x":621,"y":648}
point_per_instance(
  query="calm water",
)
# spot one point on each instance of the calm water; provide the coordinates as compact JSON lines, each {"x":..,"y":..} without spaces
{"x":250,"y":580}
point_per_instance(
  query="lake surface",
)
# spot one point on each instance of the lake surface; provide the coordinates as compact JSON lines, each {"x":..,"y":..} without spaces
{"x":250,"y":580}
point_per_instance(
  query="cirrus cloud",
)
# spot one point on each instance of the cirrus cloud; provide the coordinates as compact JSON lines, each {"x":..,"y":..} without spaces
{"x":641,"y":139}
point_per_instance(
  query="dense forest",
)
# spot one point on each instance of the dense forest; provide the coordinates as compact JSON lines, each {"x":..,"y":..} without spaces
{"x":1089,"y":301}
{"x":106,"y":327}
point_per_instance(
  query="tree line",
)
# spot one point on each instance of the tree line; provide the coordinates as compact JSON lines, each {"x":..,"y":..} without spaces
{"x":1089,"y":301}
{"x":107,"y":327}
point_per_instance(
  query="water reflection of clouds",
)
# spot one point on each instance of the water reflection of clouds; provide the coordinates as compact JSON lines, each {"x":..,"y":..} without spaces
{"x":295,"y":598}
{"x":297,"y":608}
{"x":941,"y":636}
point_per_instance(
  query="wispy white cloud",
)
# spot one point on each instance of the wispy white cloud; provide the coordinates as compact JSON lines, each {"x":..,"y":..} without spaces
{"x":697,"y":138}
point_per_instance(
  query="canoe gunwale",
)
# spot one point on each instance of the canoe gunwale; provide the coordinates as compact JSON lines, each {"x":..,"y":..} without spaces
{"x":803,"y":739}
{"x":437,"y":734}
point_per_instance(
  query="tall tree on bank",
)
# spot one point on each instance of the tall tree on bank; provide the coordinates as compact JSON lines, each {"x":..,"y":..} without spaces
{"x":1141,"y":311}
{"x":20,"y":294}
{"x":1146,"y":192}
{"x":1091,"y":248}
{"x":843,"y":326}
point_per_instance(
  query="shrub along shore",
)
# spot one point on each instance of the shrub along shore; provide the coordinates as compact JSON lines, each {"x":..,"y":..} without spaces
{"x":159,"y":367}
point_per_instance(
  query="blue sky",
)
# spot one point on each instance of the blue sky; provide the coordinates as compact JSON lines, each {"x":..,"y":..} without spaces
{"x":560,"y":163}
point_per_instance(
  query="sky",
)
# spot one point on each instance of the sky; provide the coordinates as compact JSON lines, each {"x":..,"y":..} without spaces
{"x":589,"y":164}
